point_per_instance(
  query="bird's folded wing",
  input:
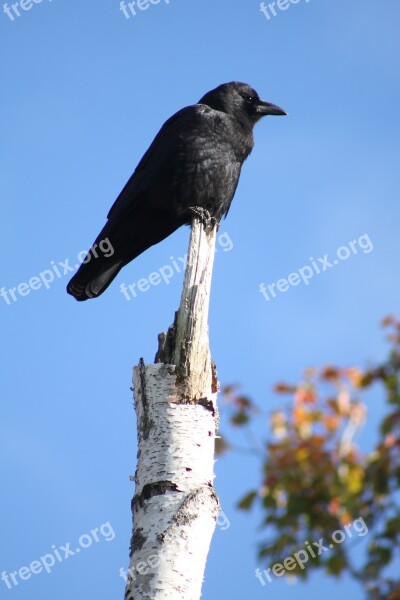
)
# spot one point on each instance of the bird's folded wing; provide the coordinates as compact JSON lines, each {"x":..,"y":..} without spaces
{"x":160,"y":160}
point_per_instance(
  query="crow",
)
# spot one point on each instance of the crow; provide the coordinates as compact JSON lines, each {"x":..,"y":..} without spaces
{"x":191,"y":169}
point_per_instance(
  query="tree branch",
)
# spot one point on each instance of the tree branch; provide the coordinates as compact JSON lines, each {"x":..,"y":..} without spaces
{"x":175,"y":506}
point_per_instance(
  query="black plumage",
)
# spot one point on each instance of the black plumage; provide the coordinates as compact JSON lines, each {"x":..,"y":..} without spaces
{"x":191,"y":168}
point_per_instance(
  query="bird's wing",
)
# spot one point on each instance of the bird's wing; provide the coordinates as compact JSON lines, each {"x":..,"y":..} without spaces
{"x":159,"y":161}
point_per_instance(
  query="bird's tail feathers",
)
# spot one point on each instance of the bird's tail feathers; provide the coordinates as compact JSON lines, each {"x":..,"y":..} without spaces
{"x":92,"y":278}
{"x":117,"y":244}
{"x":98,"y":269}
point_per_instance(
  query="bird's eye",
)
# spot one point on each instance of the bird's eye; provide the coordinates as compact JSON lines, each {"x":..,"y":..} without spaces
{"x":249,"y":99}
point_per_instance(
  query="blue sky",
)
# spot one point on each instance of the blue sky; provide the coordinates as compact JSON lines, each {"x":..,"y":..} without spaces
{"x":84,"y":92}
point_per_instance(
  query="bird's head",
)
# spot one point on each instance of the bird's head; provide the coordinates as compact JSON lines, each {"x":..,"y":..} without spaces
{"x":241,"y":101}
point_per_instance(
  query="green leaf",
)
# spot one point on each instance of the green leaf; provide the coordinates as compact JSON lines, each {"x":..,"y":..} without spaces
{"x":247,"y":502}
{"x":269,"y":501}
{"x":336,"y":564}
{"x":240,"y":418}
{"x":393,"y":526}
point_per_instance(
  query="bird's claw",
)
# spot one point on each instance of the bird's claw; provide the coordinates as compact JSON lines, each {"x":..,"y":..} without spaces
{"x":204,"y":217}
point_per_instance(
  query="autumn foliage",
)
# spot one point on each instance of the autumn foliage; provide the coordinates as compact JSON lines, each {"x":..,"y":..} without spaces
{"x":315,"y":479}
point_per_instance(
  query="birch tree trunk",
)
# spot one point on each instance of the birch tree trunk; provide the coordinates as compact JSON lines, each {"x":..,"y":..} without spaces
{"x":175,"y":507}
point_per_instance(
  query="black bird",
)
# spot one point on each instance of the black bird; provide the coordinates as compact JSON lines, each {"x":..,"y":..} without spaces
{"x":191,"y":168}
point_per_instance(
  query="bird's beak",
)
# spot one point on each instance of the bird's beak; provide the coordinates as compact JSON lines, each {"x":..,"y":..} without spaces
{"x":266,"y":108}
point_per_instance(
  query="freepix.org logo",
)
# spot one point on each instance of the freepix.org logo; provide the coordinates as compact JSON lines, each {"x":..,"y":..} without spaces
{"x":17,"y":9}
{"x":60,"y":269}
{"x":317,"y":266}
{"x":131,"y":9}
{"x":48,"y":561}
{"x":271,"y":9}
{"x":311,"y":551}
{"x":168,"y":271}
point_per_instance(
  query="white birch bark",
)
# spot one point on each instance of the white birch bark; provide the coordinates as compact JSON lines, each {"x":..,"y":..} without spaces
{"x":175,"y":507}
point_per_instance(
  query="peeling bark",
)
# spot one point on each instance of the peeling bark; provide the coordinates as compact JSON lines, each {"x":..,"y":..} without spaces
{"x":175,"y":506}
